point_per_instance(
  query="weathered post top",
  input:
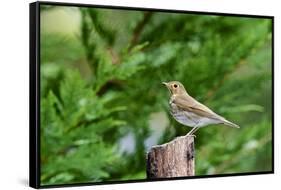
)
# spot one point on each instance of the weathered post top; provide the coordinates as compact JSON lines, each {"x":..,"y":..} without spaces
{"x":172,"y":159}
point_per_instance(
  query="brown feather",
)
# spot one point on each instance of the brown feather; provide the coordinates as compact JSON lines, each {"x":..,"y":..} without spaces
{"x":186,"y":102}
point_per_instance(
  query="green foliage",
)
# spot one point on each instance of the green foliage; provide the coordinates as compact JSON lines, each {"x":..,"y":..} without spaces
{"x":81,"y":118}
{"x":101,"y":88}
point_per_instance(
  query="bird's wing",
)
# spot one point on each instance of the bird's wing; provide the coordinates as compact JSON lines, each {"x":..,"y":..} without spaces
{"x":188,"y":103}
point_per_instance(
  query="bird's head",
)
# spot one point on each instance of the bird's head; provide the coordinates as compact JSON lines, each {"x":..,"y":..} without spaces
{"x":175,"y":87}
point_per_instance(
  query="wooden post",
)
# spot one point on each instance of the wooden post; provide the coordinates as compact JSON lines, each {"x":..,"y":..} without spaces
{"x":173,"y":159}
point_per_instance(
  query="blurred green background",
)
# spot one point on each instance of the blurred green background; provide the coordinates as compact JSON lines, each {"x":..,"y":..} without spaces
{"x":103,"y":105}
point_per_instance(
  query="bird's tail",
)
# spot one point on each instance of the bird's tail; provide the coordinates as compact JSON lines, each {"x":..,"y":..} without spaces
{"x":230,"y":124}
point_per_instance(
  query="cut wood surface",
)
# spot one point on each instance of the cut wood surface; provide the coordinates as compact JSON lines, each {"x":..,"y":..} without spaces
{"x":172,"y":159}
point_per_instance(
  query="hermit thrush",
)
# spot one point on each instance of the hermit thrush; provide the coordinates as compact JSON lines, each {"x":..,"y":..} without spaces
{"x":187,"y":111}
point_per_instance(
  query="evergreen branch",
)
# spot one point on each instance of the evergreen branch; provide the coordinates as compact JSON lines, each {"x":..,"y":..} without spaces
{"x":108,"y":85}
{"x":222,"y":167}
{"x":242,"y":61}
{"x":212,"y":91}
{"x":114,"y":56}
{"x":82,"y":123}
{"x":139,"y":28}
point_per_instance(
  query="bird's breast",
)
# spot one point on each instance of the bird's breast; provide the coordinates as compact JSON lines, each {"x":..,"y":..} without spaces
{"x":189,"y":118}
{"x":184,"y":117}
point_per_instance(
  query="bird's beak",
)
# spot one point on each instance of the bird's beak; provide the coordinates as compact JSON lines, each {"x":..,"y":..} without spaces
{"x":166,"y":84}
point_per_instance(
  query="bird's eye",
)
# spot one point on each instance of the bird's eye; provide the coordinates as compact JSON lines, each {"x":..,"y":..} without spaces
{"x":175,"y":85}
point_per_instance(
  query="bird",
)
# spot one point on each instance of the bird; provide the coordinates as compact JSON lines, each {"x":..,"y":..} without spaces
{"x":189,"y":112}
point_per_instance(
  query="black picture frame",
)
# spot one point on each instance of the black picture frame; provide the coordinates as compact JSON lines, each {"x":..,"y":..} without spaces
{"x":34,"y":91}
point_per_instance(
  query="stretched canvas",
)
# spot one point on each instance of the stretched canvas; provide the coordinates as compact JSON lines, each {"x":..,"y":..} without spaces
{"x":99,"y":112}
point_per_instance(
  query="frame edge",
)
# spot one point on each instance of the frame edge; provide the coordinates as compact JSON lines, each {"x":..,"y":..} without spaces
{"x":34,"y":161}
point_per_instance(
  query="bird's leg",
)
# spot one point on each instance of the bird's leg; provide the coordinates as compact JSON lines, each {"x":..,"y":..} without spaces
{"x":192,"y":131}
